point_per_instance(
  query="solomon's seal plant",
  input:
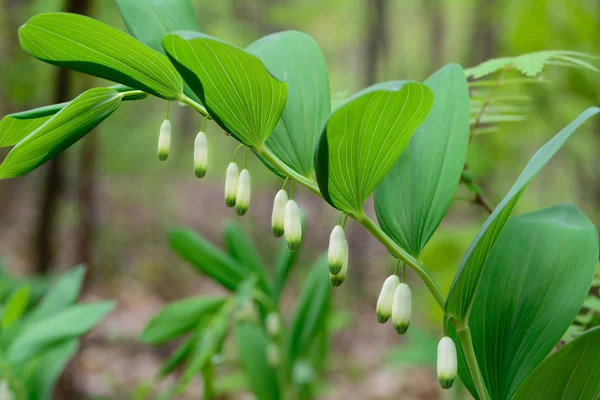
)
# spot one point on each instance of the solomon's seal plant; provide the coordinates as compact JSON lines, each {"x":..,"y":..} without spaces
{"x":404,"y":142}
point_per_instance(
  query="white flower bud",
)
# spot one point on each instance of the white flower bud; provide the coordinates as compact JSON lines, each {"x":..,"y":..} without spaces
{"x":337,"y":249}
{"x":164,"y":140}
{"x":5,"y":392}
{"x":231,"y":184}
{"x":340,"y":277}
{"x":200,"y":155}
{"x":242,"y":200}
{"x":386,"y":297}
{"x":401,"y":308}
{"x":292,"y":225}
{"x":273,"y":324}
{"x":273,"y":357}
{"x":277,"y":218}
{"x":446,"y":363}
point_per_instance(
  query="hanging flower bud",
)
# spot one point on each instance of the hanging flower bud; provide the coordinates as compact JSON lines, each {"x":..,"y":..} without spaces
{"x":386,"y":297}
{"x":231,"y":184}
{"x":401,"y":308}
{"x":273,"y":324}
{"x":164,"y":140}
{"x":340,"y":277}
{"x":200,"y":155}
{"x":277,"y":218}
{"x":337,"y":249}
{"x":273,"y":355}
{"x":292,"y":225}
{"x":242,"y":200}
{"x":446,"y":362}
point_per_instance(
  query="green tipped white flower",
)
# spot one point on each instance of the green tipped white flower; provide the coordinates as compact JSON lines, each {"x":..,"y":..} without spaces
{"x":242,"y":201}
{"x":401,"y":308}
{"x":200,"y":155}
{"x":338,"y":249}
{"x":273,"y":356}
{"x":278,"y":216}
{"x":292,"y":225}
{"x":340,"y":277}
{"x":273,"y":324}
{"x":446,"y":362}
{"x":164,"y":140}
{"x":231,"y":184}
{"x":386,"y":298}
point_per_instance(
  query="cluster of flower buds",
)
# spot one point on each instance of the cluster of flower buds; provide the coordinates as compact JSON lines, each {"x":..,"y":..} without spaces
{"x":164,"y":140}
{"x":286,"y":220}
{"x":447,"y":365}
{"x":200,"y":155}
{"x":337,"y":256}
{"x":395,"y":302}
{"x":237,"y":188}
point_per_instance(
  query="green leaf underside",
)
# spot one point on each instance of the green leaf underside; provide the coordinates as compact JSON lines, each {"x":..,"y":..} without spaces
{"x":92,"y":47}
{"x":363,"y":139}
{"x":573,"y":372}
{"x":533,"y":284}
{"x":414,"y":196}
{"x":466,"y":281}
{"x":60,"y":131}
{"x":235,"y":87}
{"x":296,"y":59}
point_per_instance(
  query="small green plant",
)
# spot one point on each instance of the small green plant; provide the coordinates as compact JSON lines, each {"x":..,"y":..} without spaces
{"x":277,"y":358}
{"x":38,"y":339}
{"x":522,"y":280}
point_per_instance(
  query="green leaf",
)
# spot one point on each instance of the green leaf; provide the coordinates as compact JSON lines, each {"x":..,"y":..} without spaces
{"x":178,"y":356}
{"x":68,"y":324}
{"x":15,"y":306}
{"x":310,"y":316}
{"x":296,"y":59}
{"x":49,"y":368}
{"x":179,"y":317}
{"x":363,"y":139}
{"x":235,"y":87}
{"x":532,"y":286}
{"x":243,"y":251}
{"x":83,"y":44}
{"x":60,"y":131}
{"x":284,"y":263}
{"x":573,"y":372}
{"x":208,"y":259}
{"x":62,"y":294}
{"x":414,"y":196}
{"x":463,"y":289}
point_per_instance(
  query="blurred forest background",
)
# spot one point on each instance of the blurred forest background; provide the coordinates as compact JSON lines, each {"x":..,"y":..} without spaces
{"x":107,"y":202}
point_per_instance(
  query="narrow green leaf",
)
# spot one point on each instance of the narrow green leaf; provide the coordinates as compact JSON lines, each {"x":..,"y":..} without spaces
{"x":414,"y":196}
{"x":178,"y":356}
{"x":363,"y":139}
{"x":49,"y":368}
{"x":284,"y":263}
{"x":92,"y":47}
{"x":68,"y":324}
{"x":296,"y":59}
{"x":235,"y":87}
{"x":179,"y":317}
{"x":15,"y":306}
{"x":60,"y":131}
{"x":573,"y":372}
{"x":61,"y":294}
{"x":466,"y":281}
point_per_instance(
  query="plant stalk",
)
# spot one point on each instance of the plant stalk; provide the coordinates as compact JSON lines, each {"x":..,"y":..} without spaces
{"x":464,"y":334}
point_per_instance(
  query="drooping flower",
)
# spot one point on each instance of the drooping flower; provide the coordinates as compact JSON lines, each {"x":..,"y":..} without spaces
{"x":340,"y":277}
{"x":401,"y":308}
{"x":164,"y":140}
{"x":278,"y":216}
{"x":337,"y":249}
{"x":231,"y":184}
{"x":200,"y":155}
{"x":386,"y":297}
{"x":292,"y":225}
{"x":446,"y":363}
{"x":242,"y":201}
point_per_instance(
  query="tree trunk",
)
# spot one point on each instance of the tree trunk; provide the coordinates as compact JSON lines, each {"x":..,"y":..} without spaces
{"x":376,"y":43}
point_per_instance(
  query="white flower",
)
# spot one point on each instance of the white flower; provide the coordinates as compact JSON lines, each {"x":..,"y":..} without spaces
{"x":337,"y":249}
{"x":273,"y":357}
{"x":164,"y":140}
{"x":401,"y":308}
{"x":292,"y":225}
{"x":231,"y":184}
{"x":273,"y":324}
{"x":446,"y":363}
{"x":278,"y":216}
{"x":340,"y":277}
{"x":242,"y":200}
{"x":386,"y":297}
{"x":200,"y":155}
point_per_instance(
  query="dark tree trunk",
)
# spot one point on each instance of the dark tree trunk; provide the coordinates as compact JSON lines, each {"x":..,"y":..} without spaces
{"x":436,"y":31}
{"x":376,"y":43}
{"x":484,"y":43}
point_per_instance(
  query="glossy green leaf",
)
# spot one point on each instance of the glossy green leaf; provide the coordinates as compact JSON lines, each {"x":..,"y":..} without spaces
{"x":243,"y":251}
{"x":363,"y":139}
{"x":15,"y":306}
{"x":414,"y":196}
{"x":235,"y":87}
{"x":296,"y":59}
{"x":49,"y":367}
{"x":208,"y":259}
{"x":573,"y":372}
{"x":463,"y":289}
{"x":60,"y":131}
{"x":61,"y":294}
{"x":310,"y":315}
{"x":68,"y":324}
{"x":83,"y":44}
{"x":179,"y":317}
{"x":533,"y":285}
